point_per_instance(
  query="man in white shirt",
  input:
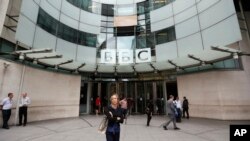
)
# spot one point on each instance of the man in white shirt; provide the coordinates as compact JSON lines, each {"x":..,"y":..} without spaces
{"x":6,"y":106}
{"x":23,"y":108}
{"x":177,"y":103}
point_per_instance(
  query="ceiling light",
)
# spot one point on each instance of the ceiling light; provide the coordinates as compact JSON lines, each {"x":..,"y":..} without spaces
{"x":135,"y":73}
{"x":21,"y":56}
{"x":76,"y":71}
{"x":235,"y":55}
{"x":203,"y":63}
{"x":155,"y":71}
{"x":177,"y":68}
{"x":35,"y":61}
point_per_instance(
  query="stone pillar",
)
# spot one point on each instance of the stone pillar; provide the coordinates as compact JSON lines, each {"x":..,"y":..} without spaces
{"x":89,"y":98}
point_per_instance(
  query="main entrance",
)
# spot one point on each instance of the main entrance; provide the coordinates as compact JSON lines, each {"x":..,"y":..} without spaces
{"x":138,"y":93}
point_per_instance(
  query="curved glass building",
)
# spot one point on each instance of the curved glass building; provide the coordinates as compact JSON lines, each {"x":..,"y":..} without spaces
{"x":65,"y":53}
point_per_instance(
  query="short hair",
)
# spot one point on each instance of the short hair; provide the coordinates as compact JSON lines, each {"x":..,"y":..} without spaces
{"x":10,"y":94}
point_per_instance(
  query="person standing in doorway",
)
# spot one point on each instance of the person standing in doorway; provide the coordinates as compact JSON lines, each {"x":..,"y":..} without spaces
{"x":115,"y":116}
{"x":185,"y":107}
{"x":6,"y":106}
{"x":97,"y":105}
{"x":149,"y":112}
{"x":23,"y":108}
{"x":171,"y":113}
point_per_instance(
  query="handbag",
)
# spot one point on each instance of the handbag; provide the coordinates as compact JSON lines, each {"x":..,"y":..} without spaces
{"x":103,"y":125}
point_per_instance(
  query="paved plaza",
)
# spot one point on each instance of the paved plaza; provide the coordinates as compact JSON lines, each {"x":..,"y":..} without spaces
{"x":84,"y":128}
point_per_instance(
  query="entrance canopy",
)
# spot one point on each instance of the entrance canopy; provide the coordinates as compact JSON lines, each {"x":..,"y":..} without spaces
{"x":48,"y":57}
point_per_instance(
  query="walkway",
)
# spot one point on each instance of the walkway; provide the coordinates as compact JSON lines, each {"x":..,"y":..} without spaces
{"x":84,"y":128}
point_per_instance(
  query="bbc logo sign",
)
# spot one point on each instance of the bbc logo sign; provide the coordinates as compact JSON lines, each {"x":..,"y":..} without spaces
{"x":239,"y":132}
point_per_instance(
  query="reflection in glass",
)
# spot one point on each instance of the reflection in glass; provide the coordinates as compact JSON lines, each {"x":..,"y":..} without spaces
{"x":111,"y":41}
{"x":125,"y":10}
{"x":127,"y":42}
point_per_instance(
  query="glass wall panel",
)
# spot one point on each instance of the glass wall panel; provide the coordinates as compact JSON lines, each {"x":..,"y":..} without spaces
{"x":51,"y":25}
{"x":47,"y":22}
{"x":107,"y":10}
{"x":67,"y":33}
{"x":127,"y":42}
{"x":124,"y":10}
{"x":165,"y":35}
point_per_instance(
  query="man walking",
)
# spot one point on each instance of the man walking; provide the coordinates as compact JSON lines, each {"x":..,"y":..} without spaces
{"x":171,"y":113}
{"x":23,"y":108}
{"x":6,"y":106}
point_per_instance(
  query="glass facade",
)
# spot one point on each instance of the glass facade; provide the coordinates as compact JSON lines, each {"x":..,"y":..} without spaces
{"x":165,"y":35}
{"x":111,"y":10}
{"x":51,"y":25}
{"x":117,"y":37}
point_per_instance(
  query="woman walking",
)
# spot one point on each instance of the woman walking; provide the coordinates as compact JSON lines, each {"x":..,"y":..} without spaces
{"x":115,"y":116}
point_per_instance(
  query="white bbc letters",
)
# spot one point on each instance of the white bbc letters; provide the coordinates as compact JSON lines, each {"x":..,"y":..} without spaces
{"x":125,"y":56}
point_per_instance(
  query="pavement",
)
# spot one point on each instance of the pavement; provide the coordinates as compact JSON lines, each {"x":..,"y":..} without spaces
{"x":84,"y":128}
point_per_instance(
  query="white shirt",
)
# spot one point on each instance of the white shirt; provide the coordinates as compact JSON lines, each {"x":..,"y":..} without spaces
{"x":177,"y":103}
{"x":24,"y":101}
{"x":7,"y":103}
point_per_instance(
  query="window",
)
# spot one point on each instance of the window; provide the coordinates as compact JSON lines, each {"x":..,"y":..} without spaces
{"x":165,"y":35}
{"x":47,"y":22}
{"x":51,"y":25}
{"x":107,"y":10}
{"x":67,"y":33}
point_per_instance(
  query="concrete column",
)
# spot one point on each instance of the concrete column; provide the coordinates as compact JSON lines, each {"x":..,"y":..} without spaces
{"x":164,"y":95}
{"x":20,"y":90}
{"x":99,"y":89}
{"x":125,"y":89}
{"x":154,"y":95}
{"x":135,"y":100}
{"x":89,"y":95}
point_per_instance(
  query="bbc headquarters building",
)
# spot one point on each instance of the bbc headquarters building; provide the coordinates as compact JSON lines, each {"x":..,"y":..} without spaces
{"x":65,"y":53}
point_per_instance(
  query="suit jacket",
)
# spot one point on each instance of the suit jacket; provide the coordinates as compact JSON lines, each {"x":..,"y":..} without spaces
{"x":170,"y":107}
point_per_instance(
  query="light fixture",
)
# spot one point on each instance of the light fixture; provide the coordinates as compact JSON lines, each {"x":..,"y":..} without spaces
{"x":76,"y":71}
{"x":21,"y":56}
{"x":155,"y":71}
{"x":235,"y":55}
{"x":96,"y":72}
{"x":35,"y":61}
{"x":177,"y":68}
{"x":135,"y":73}
{"x":203,"y":63}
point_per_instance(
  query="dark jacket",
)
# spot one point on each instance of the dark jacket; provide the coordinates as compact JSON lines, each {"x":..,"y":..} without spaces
{"x":185,"y":104}
{"x":114,"y":120}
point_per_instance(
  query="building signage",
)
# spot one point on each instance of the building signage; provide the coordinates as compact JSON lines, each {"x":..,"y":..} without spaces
{"x":125,"y":56}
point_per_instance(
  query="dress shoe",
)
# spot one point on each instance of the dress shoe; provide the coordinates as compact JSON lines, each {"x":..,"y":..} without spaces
{"x":176,"y":128}
{"x":165,"y":128}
